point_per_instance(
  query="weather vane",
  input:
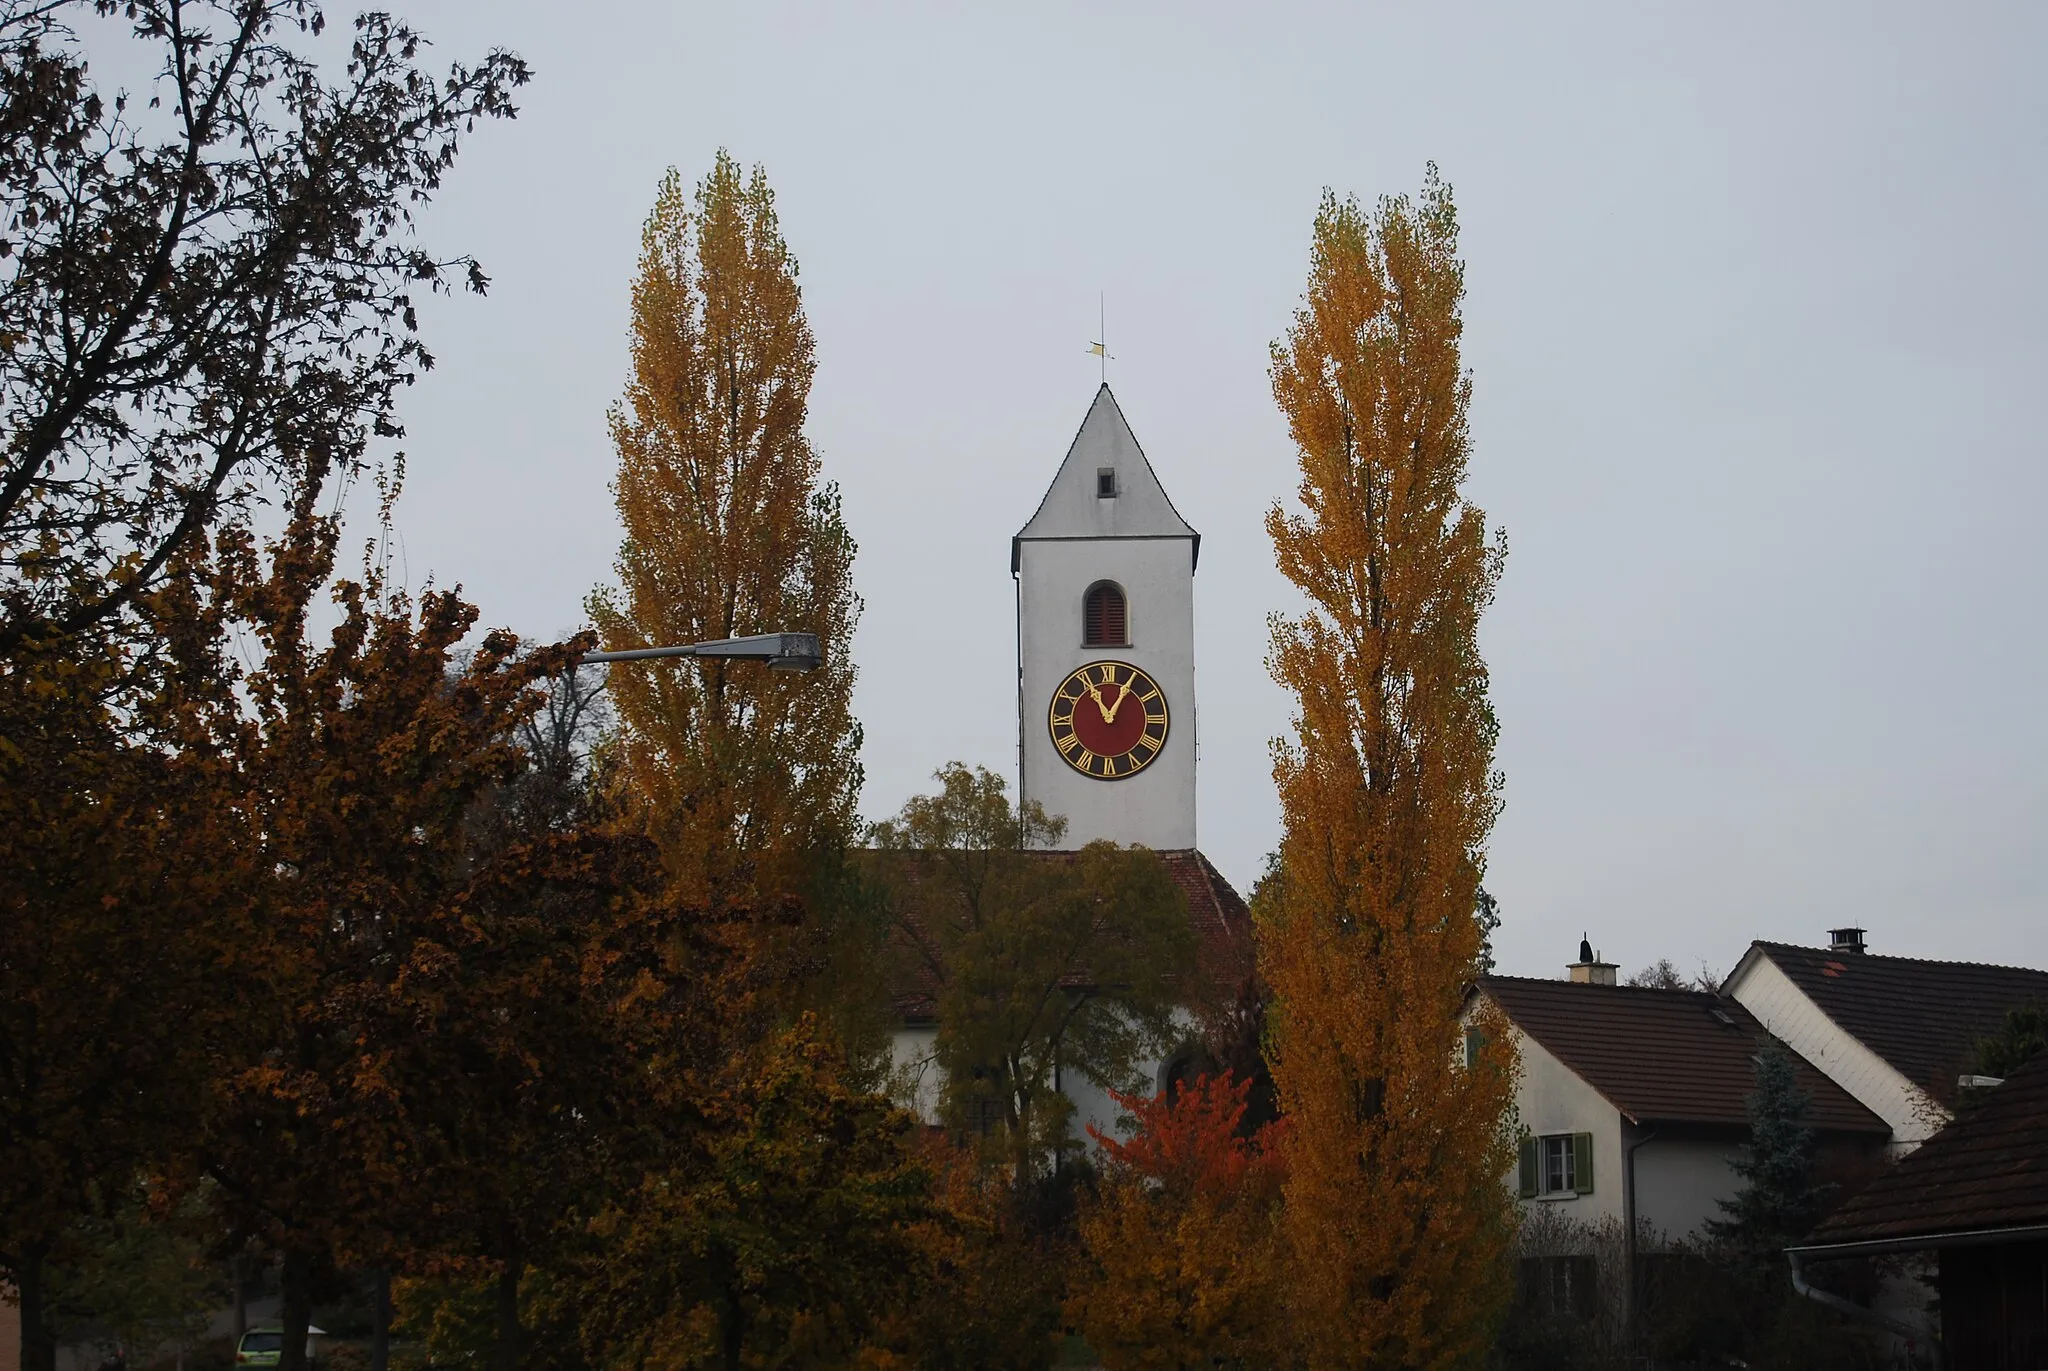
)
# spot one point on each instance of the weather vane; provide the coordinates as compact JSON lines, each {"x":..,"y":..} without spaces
{"x":1100,"y":347}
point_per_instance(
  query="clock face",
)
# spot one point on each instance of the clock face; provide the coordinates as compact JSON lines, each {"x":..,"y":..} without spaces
{"x":1108,"y":720}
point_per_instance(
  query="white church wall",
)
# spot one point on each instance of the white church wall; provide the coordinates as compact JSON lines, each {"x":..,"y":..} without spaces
{"x":1156,"y":807}
{"x":914,"y":1078}
{"x":915,"y":1082}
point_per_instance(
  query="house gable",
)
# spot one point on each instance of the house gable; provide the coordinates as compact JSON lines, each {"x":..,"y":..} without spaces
{"x":1761,"y":986}
{"x":1552,"y":1099}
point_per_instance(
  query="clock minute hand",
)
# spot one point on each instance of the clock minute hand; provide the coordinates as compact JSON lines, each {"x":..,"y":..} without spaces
{"x":1109,"y":714}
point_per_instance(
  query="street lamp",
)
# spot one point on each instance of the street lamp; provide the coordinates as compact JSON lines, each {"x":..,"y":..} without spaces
{"x":781,"y":651}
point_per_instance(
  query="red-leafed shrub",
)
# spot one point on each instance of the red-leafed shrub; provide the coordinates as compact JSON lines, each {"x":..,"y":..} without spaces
{"x":1181,"y":1238}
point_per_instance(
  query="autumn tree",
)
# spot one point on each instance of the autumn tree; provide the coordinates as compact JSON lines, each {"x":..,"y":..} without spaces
{"x":1045,"y":962}
{"x":210,"y":296}
{"x":1182,"y":1237}
{"x":359,"y":764}
{"x":747,"y":778}
{"x":989,"y":1279}
{"x":1396,"y":1215}
{"x":778,"y":1233}
{"x":116,"y":898}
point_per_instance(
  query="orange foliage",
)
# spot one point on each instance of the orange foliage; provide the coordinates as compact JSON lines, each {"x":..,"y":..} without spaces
{"x":1189,"y":1141}
{"x":1397,"y":1219}
{"x":1183,"y":1238}
{"x":740,"y":773}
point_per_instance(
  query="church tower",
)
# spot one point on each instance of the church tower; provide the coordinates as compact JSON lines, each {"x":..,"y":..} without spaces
{"x":1105,"y":576}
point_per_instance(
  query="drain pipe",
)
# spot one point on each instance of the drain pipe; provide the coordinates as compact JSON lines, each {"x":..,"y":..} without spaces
{"x":1856,"y":1311}
{"x":1628,"y":1204}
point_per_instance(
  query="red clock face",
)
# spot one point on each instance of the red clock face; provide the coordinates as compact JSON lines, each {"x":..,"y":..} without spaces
{"x":1108,"y":720}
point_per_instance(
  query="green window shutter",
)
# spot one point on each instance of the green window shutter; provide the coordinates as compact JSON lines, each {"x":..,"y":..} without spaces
{"x":1527,"y":1189}
{"x":1582,"y":1163}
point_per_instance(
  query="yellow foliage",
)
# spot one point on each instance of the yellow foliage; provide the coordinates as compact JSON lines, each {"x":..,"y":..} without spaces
{"x":738,"y":771}
{"x":1397,"y":1218}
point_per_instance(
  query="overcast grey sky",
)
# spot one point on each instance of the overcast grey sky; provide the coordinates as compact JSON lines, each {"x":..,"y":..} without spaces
{"x":1755,"y":321}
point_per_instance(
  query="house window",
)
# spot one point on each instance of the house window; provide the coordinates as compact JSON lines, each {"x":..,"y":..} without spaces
{"x":1105,"y":483}
{"x":981,"y":1115}
{"x":1556,"y":1165}
{"x":1559,"y":1287}
{"x":1103,"y":621}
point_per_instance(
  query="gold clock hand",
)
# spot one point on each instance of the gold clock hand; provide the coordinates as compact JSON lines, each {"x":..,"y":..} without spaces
{"x":1108,"y":714}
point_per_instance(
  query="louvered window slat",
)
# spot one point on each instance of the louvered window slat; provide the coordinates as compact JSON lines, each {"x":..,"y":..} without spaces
{"x":1103,"y":617}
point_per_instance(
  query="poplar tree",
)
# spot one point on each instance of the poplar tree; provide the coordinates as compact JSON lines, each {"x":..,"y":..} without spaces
{"x":1395,"y":1211}
{"x":740,"y":773}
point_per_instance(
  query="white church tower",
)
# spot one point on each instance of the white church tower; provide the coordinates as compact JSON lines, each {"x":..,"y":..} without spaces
{"x":1105,"y":576}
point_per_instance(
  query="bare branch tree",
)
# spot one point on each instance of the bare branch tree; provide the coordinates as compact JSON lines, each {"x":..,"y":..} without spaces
{"x":207,"y":298}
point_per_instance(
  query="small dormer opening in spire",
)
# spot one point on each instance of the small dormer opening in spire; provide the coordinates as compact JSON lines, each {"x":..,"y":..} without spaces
{"x":1105,"y":483}
{"x":1104,"y":621}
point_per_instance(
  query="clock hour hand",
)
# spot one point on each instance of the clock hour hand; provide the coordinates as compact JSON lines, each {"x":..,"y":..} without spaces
{"x":1108,"y":714}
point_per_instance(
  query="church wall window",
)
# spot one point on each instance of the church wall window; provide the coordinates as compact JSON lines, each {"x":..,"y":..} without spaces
{"x":1105,"y":483}
{"x":1105,"y":620}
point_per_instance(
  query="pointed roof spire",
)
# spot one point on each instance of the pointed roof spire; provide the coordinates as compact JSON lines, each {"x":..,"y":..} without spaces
{"x":1076,"y":505}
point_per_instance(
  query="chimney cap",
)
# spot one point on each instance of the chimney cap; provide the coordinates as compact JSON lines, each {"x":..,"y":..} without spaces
{"x":1585,"y":950}
{"x":1845,"y":939}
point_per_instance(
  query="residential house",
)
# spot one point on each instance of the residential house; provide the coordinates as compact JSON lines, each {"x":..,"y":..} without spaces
{"x":1895,"y":1032}
{"x":1635,"y":1100}
{"x":1632,"y":1103}
{"x":1976,"y":1196}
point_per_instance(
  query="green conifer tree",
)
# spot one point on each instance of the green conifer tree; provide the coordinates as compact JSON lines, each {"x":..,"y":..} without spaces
{"x":1780,"y":1200}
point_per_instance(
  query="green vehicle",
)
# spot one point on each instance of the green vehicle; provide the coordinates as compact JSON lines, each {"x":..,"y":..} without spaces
{"x":265,"y":1347}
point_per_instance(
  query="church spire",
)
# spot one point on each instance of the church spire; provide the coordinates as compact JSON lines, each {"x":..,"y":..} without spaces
{"x":1105,"y":489}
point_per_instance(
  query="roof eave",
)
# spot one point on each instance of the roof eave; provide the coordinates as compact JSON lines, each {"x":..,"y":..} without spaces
{"x":1922,"y":1242}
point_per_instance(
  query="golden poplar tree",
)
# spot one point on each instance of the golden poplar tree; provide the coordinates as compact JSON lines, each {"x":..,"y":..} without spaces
{"x":740,"y":773}
{"x":1395,"y":1207}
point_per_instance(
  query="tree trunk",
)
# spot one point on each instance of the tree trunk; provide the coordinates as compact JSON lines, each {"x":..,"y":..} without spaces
{"x":732,"y":1332}
{"x":505,"y":1347}
{"x":38,"y":1346}
{"x":295,"y":1309}
{"x":238,"y":1268}
{"x":380,"y":1320}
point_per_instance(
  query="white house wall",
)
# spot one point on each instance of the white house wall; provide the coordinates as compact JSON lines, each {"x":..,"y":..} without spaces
{"x":1552,"y":1098}
{"x":1782,"y":1007}
{"x":1678,"y":1182}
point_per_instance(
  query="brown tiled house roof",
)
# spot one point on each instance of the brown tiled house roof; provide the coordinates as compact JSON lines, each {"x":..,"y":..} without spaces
{"x":1218,"y":914}
{"x":1922,"y":1017}
{"x":1664,"y":1056}
{"x":1988,"y":1169}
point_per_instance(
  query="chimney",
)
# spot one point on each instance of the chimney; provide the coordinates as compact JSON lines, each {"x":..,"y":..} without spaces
{"x":1589,"y":969}
{"x":1845,"y":940}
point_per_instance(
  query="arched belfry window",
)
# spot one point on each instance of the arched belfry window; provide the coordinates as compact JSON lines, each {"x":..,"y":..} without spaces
{"x":1104,"y":622}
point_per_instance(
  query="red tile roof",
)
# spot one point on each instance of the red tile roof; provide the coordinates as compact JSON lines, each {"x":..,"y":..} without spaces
{"x":1664,"y":1056}
{"x":1987,"y":1169}
{"x":1218,"y":914}
{"x":1922,"y":1017}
